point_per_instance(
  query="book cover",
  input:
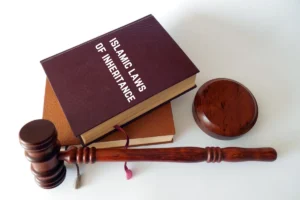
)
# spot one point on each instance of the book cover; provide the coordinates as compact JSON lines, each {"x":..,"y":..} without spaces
{"x":157,"y":126}
{"x":118,"y":76}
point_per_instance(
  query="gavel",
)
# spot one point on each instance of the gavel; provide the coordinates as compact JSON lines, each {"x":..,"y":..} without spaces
{"x":43,"y":150}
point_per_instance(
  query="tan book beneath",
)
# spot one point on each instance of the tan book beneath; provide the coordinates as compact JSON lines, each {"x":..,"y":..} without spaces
{"x":138,"y":110}
{"x":156,"y":126}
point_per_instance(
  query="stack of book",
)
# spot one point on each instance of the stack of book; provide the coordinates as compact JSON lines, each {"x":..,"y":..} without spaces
{"x":126,"y":77}
{"x":157,"y":126}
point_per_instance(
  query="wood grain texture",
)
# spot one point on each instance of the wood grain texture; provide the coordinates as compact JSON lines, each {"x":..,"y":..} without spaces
{"x":177,"y":154}
{"x":39,"y":139}
{"x":224,"y":109}
{"x":42,"y":149}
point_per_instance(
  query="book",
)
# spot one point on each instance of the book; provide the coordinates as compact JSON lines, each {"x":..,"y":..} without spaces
{"x":156,"y":126}
{"x":116,"y":77}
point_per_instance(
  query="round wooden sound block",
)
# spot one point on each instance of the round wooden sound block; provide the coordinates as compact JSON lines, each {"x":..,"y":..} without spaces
{"x":224,"y":108}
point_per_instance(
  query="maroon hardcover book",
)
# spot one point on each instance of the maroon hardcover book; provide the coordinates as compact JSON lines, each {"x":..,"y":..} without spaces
{"x":129,"y":70}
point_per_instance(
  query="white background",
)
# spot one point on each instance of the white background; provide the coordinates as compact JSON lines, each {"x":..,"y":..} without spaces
{"x":254,"y":42}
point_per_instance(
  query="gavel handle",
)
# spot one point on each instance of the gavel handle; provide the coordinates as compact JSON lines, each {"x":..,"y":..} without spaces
{"x":178,"y":154}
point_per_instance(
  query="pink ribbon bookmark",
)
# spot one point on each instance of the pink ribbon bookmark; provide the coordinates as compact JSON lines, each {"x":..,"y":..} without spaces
{"x":128,"y":171}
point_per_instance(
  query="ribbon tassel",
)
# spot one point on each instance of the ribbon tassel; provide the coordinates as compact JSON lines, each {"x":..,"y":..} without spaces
{"x":78,"y":178}
{"x":127,"y":170}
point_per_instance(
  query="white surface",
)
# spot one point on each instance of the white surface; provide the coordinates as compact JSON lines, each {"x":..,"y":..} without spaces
{"x":254,"y":42}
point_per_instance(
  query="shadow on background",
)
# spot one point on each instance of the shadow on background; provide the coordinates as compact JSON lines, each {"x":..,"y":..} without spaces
{"x":227,"y":48}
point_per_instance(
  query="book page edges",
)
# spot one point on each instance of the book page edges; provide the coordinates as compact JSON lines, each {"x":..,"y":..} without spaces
{"x":137,"y":110}
{"x":133,"y":142}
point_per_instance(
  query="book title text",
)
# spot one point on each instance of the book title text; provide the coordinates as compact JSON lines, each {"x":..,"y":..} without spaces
{"x":127,"y":64}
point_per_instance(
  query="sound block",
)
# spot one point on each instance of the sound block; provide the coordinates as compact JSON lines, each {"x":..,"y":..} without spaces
{"x":224,"y":108}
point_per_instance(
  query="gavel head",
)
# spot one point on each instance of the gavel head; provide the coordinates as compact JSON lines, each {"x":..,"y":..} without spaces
{"x":39,"y":139}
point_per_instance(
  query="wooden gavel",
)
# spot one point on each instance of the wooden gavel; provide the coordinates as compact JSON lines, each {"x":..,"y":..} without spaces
{"x":42,"y":149}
